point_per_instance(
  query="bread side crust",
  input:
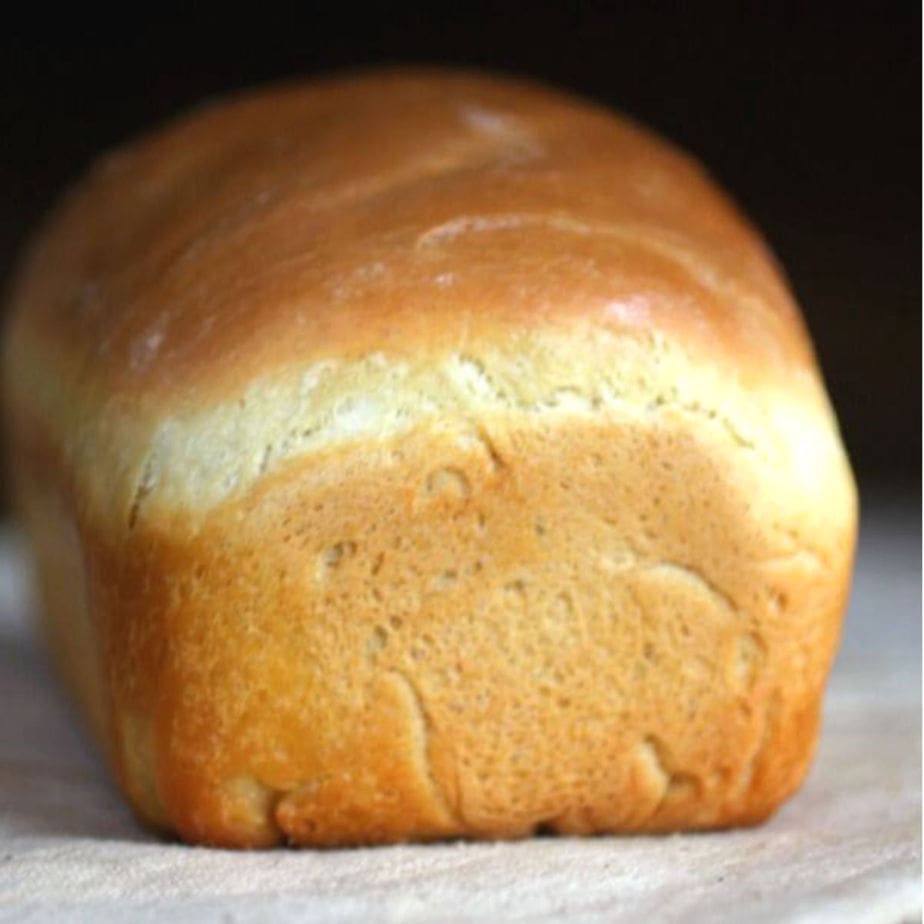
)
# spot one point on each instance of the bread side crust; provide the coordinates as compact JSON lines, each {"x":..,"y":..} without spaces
{"x":611,"y":618}
{"x":589,"y":628}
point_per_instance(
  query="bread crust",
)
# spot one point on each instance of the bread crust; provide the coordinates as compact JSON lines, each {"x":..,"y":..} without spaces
{"x":432,"y":455}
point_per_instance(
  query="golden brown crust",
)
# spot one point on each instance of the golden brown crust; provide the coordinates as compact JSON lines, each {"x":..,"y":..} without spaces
{"x":640,"y":646}
{"x":439,"y":456}
{"x":340,"y":217}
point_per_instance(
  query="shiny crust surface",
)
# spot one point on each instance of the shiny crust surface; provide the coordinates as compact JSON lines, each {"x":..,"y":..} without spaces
{"x":399,"y":211}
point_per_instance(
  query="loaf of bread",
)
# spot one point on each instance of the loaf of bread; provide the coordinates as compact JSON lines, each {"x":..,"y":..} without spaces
{"x":425,"y":454}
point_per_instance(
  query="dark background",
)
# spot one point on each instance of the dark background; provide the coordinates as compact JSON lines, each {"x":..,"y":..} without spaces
{"x":809,"y":113}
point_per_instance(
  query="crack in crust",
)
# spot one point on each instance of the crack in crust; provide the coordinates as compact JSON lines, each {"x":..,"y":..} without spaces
{"x":715,"y":417}
{"x":255,"y":806}
{"x":146,"y":484}
{"x":691,"y":573}
{"x":630,"y":560}
{"x":660,"y":241}
{"x":422,"y":724}
{"x":768,"y":722}
{"x":653,"y":754}
{"x":497,"y":460}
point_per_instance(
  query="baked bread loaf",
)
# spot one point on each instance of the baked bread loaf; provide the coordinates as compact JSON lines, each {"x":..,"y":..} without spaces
{"x":423,"y":454}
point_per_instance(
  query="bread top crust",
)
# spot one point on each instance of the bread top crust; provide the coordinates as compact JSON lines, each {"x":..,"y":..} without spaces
{"x":397,"y":220}
{"x":391,"y":209}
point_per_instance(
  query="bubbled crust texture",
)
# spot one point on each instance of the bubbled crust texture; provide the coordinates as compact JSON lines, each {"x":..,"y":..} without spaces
{"x":430,"y":455}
